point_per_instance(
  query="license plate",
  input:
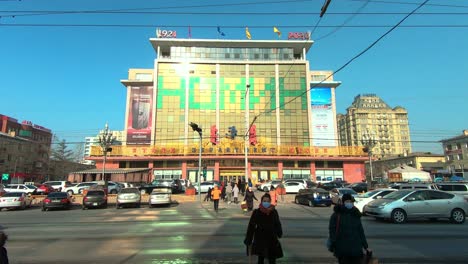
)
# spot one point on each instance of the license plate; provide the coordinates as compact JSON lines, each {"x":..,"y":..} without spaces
{"x":94,"y":204}
{"x":324,"y":197}
{"x":55,"y":201}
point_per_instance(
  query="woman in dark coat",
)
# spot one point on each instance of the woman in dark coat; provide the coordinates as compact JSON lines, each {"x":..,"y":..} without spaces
{"x":249,"y":197}
{"x":346,"y":233}
{"x":3,"y":251}
{"x":264,"y":231}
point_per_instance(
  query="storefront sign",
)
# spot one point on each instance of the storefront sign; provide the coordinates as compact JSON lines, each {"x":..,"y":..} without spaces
{"x":299,"y":35}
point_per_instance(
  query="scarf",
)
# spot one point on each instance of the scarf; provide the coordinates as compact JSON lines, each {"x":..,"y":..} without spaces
{"x":266,"y":211}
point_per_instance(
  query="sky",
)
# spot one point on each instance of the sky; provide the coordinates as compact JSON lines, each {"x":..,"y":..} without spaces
{"x":67,"y":78}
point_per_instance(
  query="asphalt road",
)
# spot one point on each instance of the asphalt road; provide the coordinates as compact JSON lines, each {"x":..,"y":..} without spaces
{"x":193,"y":233}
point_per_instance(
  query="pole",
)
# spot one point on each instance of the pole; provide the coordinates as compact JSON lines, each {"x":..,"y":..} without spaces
{"x":246,"y":137}
{"x":370,"y":164}
{"x":199,"y":167}
{"x":104,"y":167}
{"x":14,"y":170}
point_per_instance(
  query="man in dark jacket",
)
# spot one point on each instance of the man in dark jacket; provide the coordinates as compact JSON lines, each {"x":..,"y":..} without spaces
{"x":3,"y":251}
{"x":249,"y":197}
{"x":346,"y":232}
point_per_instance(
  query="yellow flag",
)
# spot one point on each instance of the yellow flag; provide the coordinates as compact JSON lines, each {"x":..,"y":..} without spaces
{"x":247,"y":33}
{"x":276,"y":30}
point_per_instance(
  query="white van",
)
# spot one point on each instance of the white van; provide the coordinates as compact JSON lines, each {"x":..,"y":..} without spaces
{"x":453,"y":187}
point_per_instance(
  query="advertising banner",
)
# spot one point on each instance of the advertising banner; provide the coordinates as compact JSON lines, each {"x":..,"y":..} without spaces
{"x":323,"y":127}
{"x":140,"y":116}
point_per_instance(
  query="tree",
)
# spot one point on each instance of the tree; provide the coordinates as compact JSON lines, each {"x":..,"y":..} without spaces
{"x":60,"y":151}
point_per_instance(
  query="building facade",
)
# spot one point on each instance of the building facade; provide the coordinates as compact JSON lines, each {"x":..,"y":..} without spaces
{"x":370,"y":114}
{"x":456,"y":154}
{"x":24,"y":150}
{"x":249,"y":97}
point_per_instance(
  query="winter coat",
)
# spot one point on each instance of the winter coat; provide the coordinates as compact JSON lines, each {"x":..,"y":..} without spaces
{"x":235,"y":191}
{"x":249,"y":197}
{"x":348,"y":239}
{"x":274,"y":197}
{"x":215,"y":193}
{"x":263,"y":233}
{"x":3,"y":255}
{"x":229,"y":189}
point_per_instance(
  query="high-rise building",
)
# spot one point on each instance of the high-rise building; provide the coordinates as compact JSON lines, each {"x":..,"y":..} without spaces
{"x":94,"y":141}
{"x":370,"y":115}
{"x":260,"y":93}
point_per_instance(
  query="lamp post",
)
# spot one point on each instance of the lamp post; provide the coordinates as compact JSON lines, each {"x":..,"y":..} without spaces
{"x":369,"y":141}
{"x":198,"y":129}
{"x":105,"y":140}
{"x":246,"y":136}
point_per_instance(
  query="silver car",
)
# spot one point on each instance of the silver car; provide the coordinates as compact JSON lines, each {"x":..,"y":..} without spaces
{"x":400,"y":206}
{"x":160,"y":196}
{"x":17,"y":200}
{"x":128,"y":196}
{"x":337,"y":193}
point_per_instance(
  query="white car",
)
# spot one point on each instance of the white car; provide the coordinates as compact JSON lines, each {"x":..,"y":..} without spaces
{"x":293,"y":187}
{"x":29,"y":189}
{"x":17,"y":200}
{"x":58,"y":185}
{"x":266,"y":186}
{"x":78,"y":188}
{"x":364,"y":199}
{"x":206,"y":185}
{"x":160,"y":196}
{"x":113,"y":187}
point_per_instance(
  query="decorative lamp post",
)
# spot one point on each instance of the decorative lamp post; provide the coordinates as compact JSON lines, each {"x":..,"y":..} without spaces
{"x":246,"y":136}
{"x":369,"y":141}
{"x":198,"y":129}
{"x":105,"y":140}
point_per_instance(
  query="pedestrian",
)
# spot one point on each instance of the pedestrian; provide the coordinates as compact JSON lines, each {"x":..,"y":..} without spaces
{"x":264,"y":231}
{"x":346,"y":234}
{"x":208,"y":195}
{"x":3,"y":251}
{"x":215,"y":195}
{"x":250,"y":183}
{"x":229,"y":193}
{"x":188,"y":183}
{"x":249,"y":197}
{"x":235,"y":192}
{"x":223,"y":193}
{"x":273,"y":195}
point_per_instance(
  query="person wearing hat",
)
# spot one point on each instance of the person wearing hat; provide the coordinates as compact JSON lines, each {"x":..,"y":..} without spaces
{"x":346,"y":233}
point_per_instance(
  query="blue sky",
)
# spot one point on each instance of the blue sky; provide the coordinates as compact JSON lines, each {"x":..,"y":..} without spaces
{"x":68,"y":78}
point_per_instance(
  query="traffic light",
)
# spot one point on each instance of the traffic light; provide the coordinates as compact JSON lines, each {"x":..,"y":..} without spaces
{"x":253,"y":135}
{"x":214,"y":135}
{"x":232,"y":132}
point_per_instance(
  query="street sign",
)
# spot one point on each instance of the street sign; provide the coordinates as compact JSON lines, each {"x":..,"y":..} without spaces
{"x":5,"y":176}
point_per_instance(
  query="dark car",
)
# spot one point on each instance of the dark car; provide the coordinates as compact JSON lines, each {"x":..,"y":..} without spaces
{"x":358,"y":187}
{"x":313,"y":197}
{"x":60,"y":200}
{"x":95,"y":199}
{"x":331,"y":185}
{"x":174,"y":184}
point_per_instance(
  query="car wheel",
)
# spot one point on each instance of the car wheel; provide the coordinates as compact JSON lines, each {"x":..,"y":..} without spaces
{"x":265,"y":189}
{"x":70,"y":192}
{"x":311,"y":204}
{"x":113,"y":192}
{"x":117,"y":206}
{"x":83,"y":208}
{"x":296,"y":201}
{"x":398,"y":216}
{"x":457,"y":216}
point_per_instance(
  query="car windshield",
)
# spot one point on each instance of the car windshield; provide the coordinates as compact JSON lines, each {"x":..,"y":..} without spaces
{"x":369,"y":194}
{"x":95,"y":193}
{"x":161,"y":190}
{"x":347,"y":191}
{"x":397,"y":195}
{"x":129,"y":190}
{"x":12,"y":194}
{"x":57,"y":195}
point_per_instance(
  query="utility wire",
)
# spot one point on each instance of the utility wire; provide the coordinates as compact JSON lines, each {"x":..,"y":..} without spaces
{"x":236,"y":27}
{"x":410,"y":3}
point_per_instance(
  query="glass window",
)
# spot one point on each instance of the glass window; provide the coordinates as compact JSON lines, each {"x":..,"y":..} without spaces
{"x":434,"y":195}
{"x":444,"y":187}
{"x":459,"y":188}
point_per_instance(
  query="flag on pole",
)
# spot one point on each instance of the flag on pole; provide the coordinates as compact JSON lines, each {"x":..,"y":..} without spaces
{"x":220,"y":32}
{"x":276,"y":30}
{"x":189,"y":32}
{"x":247,"y":33}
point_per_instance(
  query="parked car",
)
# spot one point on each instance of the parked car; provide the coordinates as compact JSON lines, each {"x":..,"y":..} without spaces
{"x":2,"y":190}
{"x":44,"y":189}
{"x":411,"y":186}
{"x":206,"y":185}
{"x":174,"y":184}
{"x":128,"y":196}
{"x":313,"y":197}
{"x":363,"y":199}
{"x":112,"y":187}
{"x":358,"y":187}
{"x":337,"y":193}
{"x":293,"y":186}
{"x":19,"y":188}
{"x":453,"y":187}
{"x":160,"y":196}
{"x":266,"y":186}
{"x":15,"y":200}
{"x":95,"y":199}
{"x":125,"y":184}
{"x":58,"y":185}
{"x":331,"y":185}
{"x":56,"y":200}
{"x":402,"y":205}
{"x":79,"y":188}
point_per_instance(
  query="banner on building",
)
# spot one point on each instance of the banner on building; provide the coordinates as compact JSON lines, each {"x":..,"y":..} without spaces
{"x":140,"y":115}
{"x":323,"y":125}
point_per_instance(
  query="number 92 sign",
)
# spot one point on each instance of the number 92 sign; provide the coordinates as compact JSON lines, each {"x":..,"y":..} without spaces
{"x":166,"y":33}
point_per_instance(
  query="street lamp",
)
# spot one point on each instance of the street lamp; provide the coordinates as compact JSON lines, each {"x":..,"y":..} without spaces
{"x":105,"y":140}
{"x":195,"y":127}
{"x":246,"y":136}
{"x":369,"y":141}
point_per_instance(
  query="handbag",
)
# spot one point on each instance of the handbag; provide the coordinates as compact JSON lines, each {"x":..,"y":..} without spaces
{"x":330,"y":243}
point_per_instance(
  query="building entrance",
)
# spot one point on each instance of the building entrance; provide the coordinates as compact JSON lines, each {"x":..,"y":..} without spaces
{"x":231,"y":175}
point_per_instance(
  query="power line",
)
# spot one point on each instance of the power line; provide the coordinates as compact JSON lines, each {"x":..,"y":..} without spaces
{"x":410,"y":3}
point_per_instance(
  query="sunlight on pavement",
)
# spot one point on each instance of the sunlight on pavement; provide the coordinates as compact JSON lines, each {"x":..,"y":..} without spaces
{"x":173,"y":251}
{"x":169,"y":224}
